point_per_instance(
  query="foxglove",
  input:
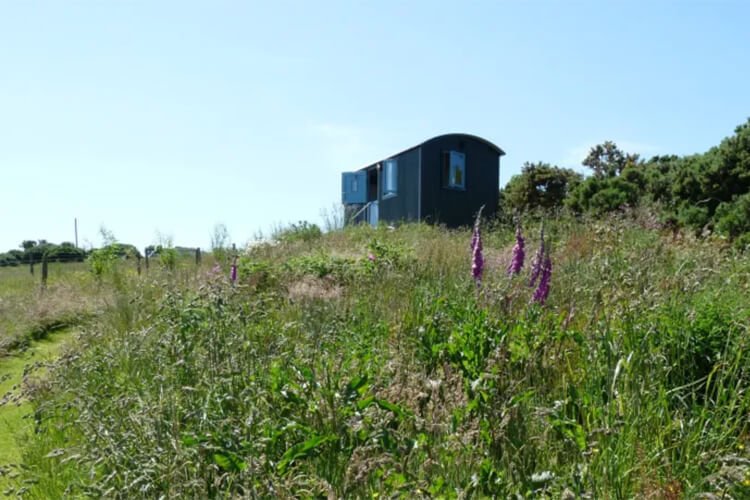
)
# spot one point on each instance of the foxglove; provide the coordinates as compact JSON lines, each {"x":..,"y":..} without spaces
{"x":477,"y":261}
{"x":518,"y":254}
{"x":541,"y":293}
{"x":536,"y":265}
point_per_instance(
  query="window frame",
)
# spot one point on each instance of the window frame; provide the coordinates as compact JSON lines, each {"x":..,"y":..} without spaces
{"x":389,"y":173}
{"x":448,"y":170}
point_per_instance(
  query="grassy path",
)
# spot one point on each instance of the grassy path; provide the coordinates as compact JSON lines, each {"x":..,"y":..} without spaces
{"x":12,"y":422}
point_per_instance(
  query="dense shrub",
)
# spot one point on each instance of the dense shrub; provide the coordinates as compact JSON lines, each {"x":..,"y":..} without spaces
{"x":733,"y":218}
{"x":538,"y":186}
{"x":66,"y":252}
{"x":702,"y":191}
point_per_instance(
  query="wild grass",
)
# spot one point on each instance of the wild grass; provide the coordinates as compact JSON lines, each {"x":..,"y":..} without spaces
{"x":325,"y":373}
{"x":29,"y":312}
{"x":14,"y":407}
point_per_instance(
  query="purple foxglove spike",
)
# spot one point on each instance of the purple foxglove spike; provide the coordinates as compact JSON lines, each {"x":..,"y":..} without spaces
{"x":475,"y":234}
{"x":536,"y":265}
{"x":518,"y":254}
{"x":477,"y":260}
{"x":541,"y":293}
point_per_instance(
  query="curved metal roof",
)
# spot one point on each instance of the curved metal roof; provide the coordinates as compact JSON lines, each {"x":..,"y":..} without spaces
{"x":468,"y":136}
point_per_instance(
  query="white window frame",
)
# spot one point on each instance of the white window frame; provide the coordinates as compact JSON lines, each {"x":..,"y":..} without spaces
{"x":390,"y":178}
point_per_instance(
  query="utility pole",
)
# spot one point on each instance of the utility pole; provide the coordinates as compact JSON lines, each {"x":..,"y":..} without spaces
{"x":75,"y":224}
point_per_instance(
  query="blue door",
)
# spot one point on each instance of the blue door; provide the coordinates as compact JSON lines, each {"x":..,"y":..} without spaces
{"x":373,"y":213}
{"x":354,"y":187}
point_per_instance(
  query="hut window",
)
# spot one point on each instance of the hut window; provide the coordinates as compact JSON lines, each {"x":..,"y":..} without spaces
{"x":390,"y":178}
{"x":454,"y":170}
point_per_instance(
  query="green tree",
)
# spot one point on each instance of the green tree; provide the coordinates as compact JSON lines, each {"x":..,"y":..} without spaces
{"x":607,"y":160}
{"x":619,"y":179}
{"x":539,"y":185}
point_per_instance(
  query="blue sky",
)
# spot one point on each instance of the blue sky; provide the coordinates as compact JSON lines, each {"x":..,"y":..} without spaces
{"x":169,"y":117}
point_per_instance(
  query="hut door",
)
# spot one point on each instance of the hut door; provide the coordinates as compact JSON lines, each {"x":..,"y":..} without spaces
{"x":354,"y":187}
{"x":373,"y":213}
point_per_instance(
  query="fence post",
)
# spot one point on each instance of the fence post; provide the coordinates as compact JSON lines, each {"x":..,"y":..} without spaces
{"x":146,"y":262}
{"x":31,"y":267}
{"x":138,"y":263}
{"x":44,"y":271}
{"x":198,"y":257}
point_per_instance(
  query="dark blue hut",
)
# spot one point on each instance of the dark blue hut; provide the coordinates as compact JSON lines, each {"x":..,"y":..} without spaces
{"x":442,"y":180}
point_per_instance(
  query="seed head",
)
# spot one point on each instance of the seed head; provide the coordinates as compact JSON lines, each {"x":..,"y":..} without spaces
{"x":477,"y":261}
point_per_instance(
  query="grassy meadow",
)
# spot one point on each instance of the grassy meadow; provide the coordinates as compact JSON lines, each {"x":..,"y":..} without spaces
{"x":366,"y":363}
{"x":28,"y":312}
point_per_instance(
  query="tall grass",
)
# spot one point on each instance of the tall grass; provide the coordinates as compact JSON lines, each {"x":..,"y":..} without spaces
{"x":28,"y":311}
{"x":324,"y":373}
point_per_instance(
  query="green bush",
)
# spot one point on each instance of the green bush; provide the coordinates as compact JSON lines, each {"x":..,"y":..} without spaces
{"x":733,"y":218}
{"x":338,"y":269}
{"x":9,"y":259}
{"x":260,"y":274}
{"x":693,"y":216}
{"x":66,"y":252}
{"x":300,"y":231}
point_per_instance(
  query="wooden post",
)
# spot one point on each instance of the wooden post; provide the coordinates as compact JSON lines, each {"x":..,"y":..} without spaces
{"x":31,"y":267}
{"x":138,"y":264}
{"x":146,"y":263}
{"x":197,"y":257}
{"x":44,"y":271}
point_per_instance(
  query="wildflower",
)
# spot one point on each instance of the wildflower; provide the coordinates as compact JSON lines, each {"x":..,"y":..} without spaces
{"x":475,"y":235}
{"x":518,"y":254}
{"x":536,"y":265}
{"x":477,"y":261}
{"x":371,"y":257}
{"x":234,"y":269}
{"x":215,"y":271}
{"x":540,"y":294}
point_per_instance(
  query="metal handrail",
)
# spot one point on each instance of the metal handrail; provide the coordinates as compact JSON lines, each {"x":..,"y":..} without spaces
{"x":360,"y":211}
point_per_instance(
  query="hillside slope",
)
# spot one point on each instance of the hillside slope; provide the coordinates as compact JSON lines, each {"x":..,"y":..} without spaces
{"x":367,"y":363}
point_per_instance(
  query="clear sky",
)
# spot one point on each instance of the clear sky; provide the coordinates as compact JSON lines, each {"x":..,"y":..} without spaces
{"x":160,"y":117}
